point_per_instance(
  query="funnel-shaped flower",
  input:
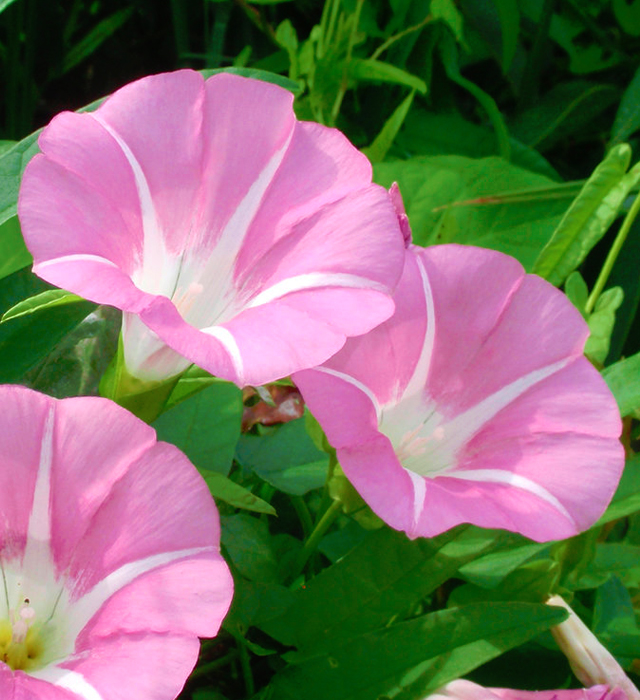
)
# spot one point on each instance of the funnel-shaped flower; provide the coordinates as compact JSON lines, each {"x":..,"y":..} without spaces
{"x":473,"y":403}
{"x":466,"y":690}
{"x":231,"y":234}
{"x":109,"y":554}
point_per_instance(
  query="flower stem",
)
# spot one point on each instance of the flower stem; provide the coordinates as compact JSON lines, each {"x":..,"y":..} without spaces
{"x":613,"y":254}
{"x":318,"y":533}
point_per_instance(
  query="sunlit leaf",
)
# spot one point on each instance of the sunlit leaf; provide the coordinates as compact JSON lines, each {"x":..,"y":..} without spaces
{"x":623,"y":379}
{"x":235,"y":495}
{"x":39,"y":302}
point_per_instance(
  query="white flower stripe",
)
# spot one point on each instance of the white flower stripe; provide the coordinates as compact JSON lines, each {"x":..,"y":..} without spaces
{"x":314,"y":280}
{"x":75,"y":258}
{"x":39,"y":530}
{"x":231,"y":346}
{"x":70,"y":680}
{"x":355,"y":383}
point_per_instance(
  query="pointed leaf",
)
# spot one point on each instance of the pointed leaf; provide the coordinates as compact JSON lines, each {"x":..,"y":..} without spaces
{"x":235,"y":495}
{"x":623,"y":378}
{"x":39,"y":302}
{"x":371,"y":69}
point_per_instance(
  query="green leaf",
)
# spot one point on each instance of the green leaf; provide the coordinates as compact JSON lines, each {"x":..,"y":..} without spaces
{"x":612,"y":558}
{"x":577,"y":291}
{"x":628,"y":15}
{"x":95,"y":38}
{"x":26,"y":341}
{"x":410,"y":659}
{"x":248,"y":544}
{"x":381,"y":577}
{"x":39,"y":302}
{"x":589,"y":216}
{"x":601,"y":322}
{"x":13,"y":252}
{"x":5,"y":3}
{"x":235,"y":495}
{"x":379,"y":71}
{"x":448,"y":12}
{"x":382,"y":143}
{"x":623,"y":378}
{"x":206,"y":426}
{"x":490,"y":570}
{"x":285,"y":457}
{"x":509,"y":15}
{"x":626,"y":499}
{"x":449,"y":53}
{"x":627,"y":119}
{"x":12,"y":163}
{"x":453,"y":199}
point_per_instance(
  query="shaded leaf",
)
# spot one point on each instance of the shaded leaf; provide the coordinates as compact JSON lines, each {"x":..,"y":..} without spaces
{"x":248,"y":545}
{"x":382,"y":143}
{"x":13,"y":252}
{"x":627,"y":119}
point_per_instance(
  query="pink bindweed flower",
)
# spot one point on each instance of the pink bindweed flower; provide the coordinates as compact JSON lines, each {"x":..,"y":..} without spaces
{"x":109,"y":554}
{"x":590,"y":661}
{"x":472,"y":404}
{"x":467,"y":690}
{"x":230,"y":234}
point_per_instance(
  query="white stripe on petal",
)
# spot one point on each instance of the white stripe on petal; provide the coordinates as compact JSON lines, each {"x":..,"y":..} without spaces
{"x":314,"y":280}
{"x":464,"y":426}
{"x":70,"y":680}
{"x":229,"y":343}
{"x":83,"y":609}
{"x":40,"y":519}
{"x":154,"y":255}
{"x":501,"y":476}
{"x":355,"y":383}
{"x":418,"y":381}
{"x":75,"y":258}
{"x":419,"y":495}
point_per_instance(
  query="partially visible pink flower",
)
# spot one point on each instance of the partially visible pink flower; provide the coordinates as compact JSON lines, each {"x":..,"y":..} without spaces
{"x":109,"y":554}
{"x":590,"y":661}
{"x":472,"y":404}
{"x":231,"y":235}
{"x":466,"y":690}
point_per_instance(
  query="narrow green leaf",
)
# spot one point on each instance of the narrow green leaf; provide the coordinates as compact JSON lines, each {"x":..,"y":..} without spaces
{"x":382,"y":577}
{"x":5,"y":3}
{"x":623,"y":378}
{"x":589,"y":217}
{"x":509,"y":15}
{"x":13,"y":252}
{"x":382,"y":143}
{"x":205,"y":426}
{"x":576,"y":289}
{"x":39,"y":302}
{"x":409,"y":659}
{"x":449,"y":13}
{"x":235,"y":495}
{"x":371,"y":69}
{"x":95,"y":38}
{"x":601,"y":323}
{"x":627,"y":119}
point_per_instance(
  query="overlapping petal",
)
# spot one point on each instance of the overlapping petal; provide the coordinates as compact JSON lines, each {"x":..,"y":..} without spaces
{"x":473,"y":403}
{"x":112,"y":541}
{"x":217,"y":222}
{"x":467,"y":690}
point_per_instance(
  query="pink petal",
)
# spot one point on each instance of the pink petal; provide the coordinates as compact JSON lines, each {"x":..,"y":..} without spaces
{"x":467,"y":690}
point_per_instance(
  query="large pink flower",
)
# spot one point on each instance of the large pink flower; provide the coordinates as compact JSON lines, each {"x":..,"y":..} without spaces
{"x":466,"y":690}
{"x":109,"y":554}
{"x":231,"y":234}
{"x":473,"y":403}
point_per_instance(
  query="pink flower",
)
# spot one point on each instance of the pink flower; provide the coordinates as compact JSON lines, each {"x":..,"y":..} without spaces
{"x":231,"y":235}
{"x":109,"y":554}
{"x":590,"y":661}
{"x":466,"y":690}
{"x":473,"y":403}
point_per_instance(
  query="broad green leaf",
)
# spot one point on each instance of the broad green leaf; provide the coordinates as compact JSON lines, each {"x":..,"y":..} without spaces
{"x":13,"y":252}
{"x":25,"y":341}
{"x":601,"y":322}
{"x":627,"y":119}
{"x":381,"y":577}
{"x":453,"y":199}
{"x":6,"y":145}
{"x":95,"y":38}
{"x":191,"y":382}
{"x":206,"y":426}
{"x":589,"y":216}
{"x":235,"y":495}
{"x":379,"y":71}
{"x":489,"y":570}
{"x":628,"y":15}
{"x":382,"y":143}
{"x":40,"y":302}
{"x":409,"y":659}
{"x":614,"y":611}
{"x":285,"y":457}
{"x":623,"y":378}
{"x":611,"y":558}
{"x":248,"y":545}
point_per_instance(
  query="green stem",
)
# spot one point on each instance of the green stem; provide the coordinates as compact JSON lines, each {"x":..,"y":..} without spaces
{"x":345,"y":82}
{"x":245,"y":665}
{"x":303,"y":515}
{"x":318,"y":533}
{"x":613,"y":254}
{"x":204,"y":669}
